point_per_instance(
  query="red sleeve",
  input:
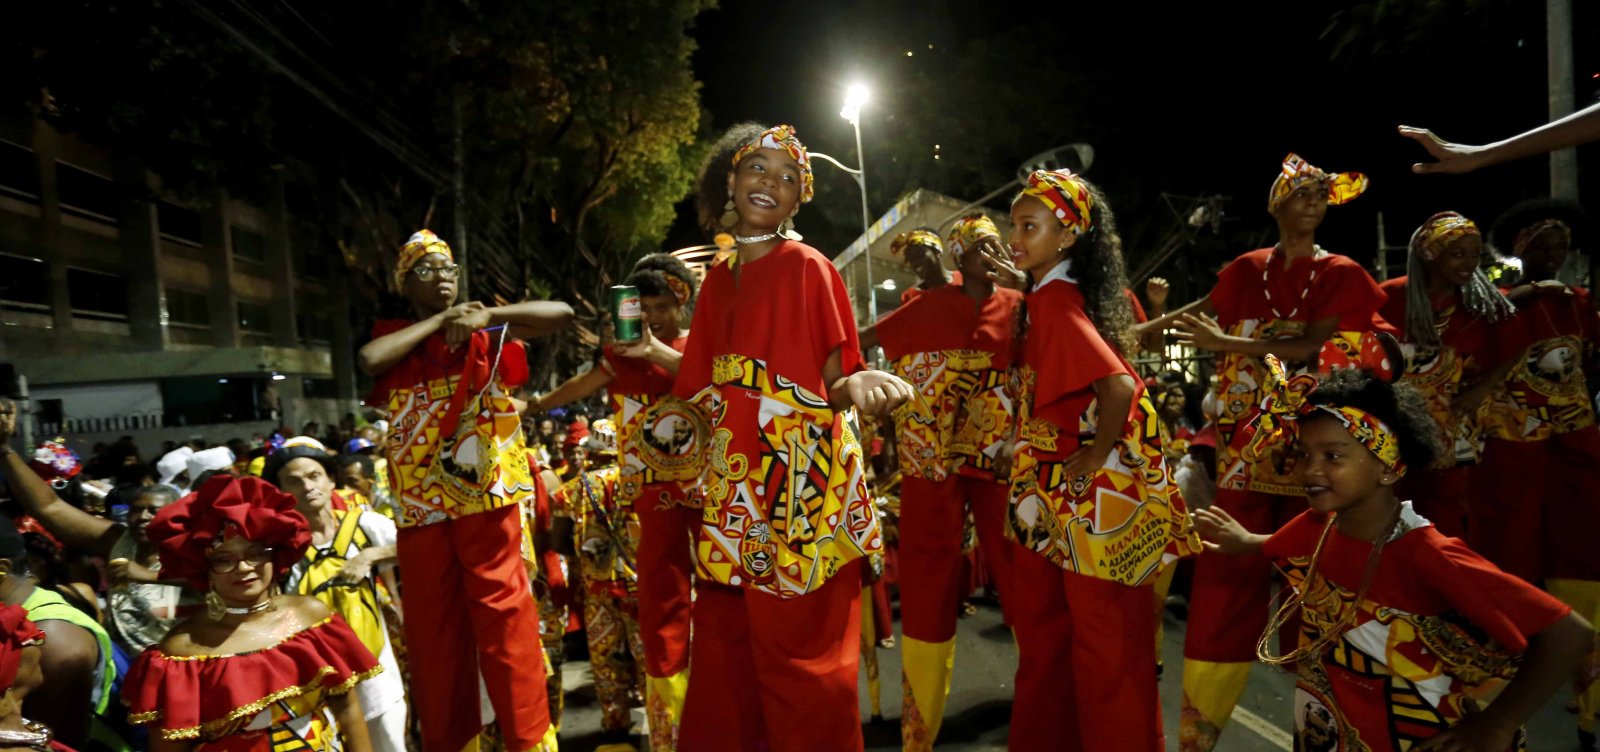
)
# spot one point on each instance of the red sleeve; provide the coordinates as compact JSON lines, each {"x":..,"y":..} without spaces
{"x":513,"y":362}
{"x":834,"y":327}
{"x":1070,"y":353}
{"x":384,"y":383}
{"x":1394,"y":305}
{"x":1505,"y":607}
{"x":896,"y":327}
{"x":1345,"y":290}
{"x":1139,"y":315}
{"x":1232,"y":288}
{"x":694,"y":370}
{"x":1296,"y":538}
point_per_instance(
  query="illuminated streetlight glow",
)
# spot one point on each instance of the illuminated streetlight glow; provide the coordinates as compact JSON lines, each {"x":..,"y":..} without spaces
{"x":888,"y":284}
{"x":854,"y":98}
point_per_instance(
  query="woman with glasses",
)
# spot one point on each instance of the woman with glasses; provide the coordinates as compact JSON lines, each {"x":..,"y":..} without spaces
{"x":258,"y":670}
{"x":459,"y":472}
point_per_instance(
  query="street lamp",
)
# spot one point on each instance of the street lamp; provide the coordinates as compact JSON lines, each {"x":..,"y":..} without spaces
{"x":855,"y":97}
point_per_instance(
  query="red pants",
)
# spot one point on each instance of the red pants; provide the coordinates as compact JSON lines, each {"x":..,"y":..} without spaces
{"x":665,"y":566}
{"x":932,"y":518}
{"x":1534,"y":510}
{"x":1228,"y":599}
{"x":472,"y":611}
{"x":1442,"y":496}
{"x":1086,"y":662}
{"x":775,"y":674}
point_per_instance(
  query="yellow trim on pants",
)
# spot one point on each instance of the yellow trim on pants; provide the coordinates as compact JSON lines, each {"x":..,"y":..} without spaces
{"x":926,"y":669}
{"x":1210,"y":692}
{"x":1584,"y":598}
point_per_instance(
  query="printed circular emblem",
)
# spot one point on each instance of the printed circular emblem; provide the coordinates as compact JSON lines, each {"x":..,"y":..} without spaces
{"x":672,"y":440}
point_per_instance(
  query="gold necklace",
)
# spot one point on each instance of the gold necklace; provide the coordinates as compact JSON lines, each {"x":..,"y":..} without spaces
{"x":1297,"y":601}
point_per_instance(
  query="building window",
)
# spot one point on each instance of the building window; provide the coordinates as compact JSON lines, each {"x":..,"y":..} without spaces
{"x":24,"y":284}
{"x":320,"y":388}
{"x":86,"y":194}
{"x":316,"y":326}
{"x":179,"y":223}
{"x":97,"y":296}
{"x":249,"y":247}
{"x":255,"y":317}
{"x":19,"y":172}
{"x":188,"y":309}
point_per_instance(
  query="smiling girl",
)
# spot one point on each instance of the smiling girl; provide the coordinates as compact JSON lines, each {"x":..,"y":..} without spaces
{"x":1448,"y":309}
{"x":1090,"y":498}
{"x":775,"y":363}
{"x":1409,"y":640}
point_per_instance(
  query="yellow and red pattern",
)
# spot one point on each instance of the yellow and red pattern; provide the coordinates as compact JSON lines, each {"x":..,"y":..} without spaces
{"x":1122,"y":523}
{"x":1544,"y":394}
{"x":1239,"y":391}
{"x":1066,"y":195}
{"x":1436,"y":373}
{"x":1284,"y":403}
{"x":659,"y":440}
{"x":1428,"y":672}
{"x":420,"y":244}
{"x":968,"y":417}
{"x":1440,"y":230}
{"x":605,"y":530}
{"x":1343,"y":187}
{"x":967,"y":231}
{"x":784,"y":139}
{"x":481,"y":467}
{"x":616,"y":655}
{"x":784,"y":508}
{"x":915,"y":237}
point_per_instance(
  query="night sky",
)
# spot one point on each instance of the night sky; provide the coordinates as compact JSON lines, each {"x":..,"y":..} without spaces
{"x":1208,"y":98}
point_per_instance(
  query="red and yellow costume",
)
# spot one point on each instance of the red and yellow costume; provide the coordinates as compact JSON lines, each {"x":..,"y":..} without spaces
{"x":658,"y":461}
{"x":956,"y":352}
{"x":1094,"y":544}
{"x":1256,"y":297}
{"x":1533,"y":512}
{"x":1435,"y":638}
{"x":605,"y":534}
{"x":1441,"y":492}
{"x":787,"y":515}
{"x":459,"y":473}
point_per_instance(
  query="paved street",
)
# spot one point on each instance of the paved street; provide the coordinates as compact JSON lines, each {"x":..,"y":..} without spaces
{"x":980,"y":700}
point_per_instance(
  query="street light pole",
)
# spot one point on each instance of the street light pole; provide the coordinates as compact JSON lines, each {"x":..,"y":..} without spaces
{"x":855,"y":97}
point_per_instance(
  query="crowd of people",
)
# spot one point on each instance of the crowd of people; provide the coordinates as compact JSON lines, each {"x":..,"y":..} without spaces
{"x":1411,"y":465}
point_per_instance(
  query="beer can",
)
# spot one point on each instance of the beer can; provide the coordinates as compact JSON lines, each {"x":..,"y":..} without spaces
{"x":627,"y":313}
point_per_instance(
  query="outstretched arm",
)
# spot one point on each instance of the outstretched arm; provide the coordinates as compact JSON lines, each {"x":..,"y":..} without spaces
{"x":573,"y":389}
{"x":1580,"y":127}
{"x":75,"y":527}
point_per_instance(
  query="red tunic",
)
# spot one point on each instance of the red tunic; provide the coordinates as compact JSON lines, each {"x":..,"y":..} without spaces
{"x":1438,"y":372}
{"x":956,"y":352}
{"x":1256,"y":302}
{"x":1126,"y":519}
{"x":786,"y":499}
{"x":1437,"y":635}
{"x":1551,"y":338}
{"x":655,"y":431}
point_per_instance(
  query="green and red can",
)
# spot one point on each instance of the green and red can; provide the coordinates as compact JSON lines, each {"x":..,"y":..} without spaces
{"x":627,"y":313}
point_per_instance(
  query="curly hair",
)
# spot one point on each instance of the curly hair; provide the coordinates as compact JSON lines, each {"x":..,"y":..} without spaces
{"x":1400,"y":406}
{"x":711,"y":185}
{"x":650,"y":275}
{"x":1103,"y":275}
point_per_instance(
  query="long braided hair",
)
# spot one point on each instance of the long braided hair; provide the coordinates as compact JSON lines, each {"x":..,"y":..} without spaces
{"x":1479,"y":295}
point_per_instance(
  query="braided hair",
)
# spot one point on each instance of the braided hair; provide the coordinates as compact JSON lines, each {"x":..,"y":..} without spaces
{"x":1479,"y":295}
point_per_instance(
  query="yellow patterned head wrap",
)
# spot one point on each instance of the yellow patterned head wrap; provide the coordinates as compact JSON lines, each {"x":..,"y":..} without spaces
{"x":968,"y":231}
{"x":916,"y":237}
{"x":1284,"y":403}
{"x":1066,"y":195}
{"x":421,"y":244}
{"x":1440,"y":229}
{"x":1343,"y":187}
{"x":782,"y":138}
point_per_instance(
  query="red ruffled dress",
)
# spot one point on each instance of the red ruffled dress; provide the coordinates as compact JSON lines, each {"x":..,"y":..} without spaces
{"x":268,"y":700}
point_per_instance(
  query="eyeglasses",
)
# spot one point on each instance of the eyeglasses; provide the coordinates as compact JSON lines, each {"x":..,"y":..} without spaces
{"x":227,"y":563}
{"x":426,"y":273}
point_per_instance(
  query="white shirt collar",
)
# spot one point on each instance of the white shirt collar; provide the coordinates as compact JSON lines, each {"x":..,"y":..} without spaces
{"x":1061,"y":271}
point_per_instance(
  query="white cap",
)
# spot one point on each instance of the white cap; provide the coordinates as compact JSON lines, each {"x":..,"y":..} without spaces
{"x":173,"y":463}
{"x":215,"y":458}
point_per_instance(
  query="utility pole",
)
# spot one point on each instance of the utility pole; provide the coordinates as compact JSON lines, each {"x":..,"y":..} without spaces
{"x":1558,"y":46}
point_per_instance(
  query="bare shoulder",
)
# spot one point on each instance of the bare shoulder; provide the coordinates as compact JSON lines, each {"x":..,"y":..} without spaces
{"x":183,"y":640}
{"x":309,"y":610}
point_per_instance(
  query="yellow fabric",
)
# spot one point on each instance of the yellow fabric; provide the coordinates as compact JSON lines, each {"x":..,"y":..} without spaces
{"x":357,"y":604}
{"x":659,"y":439}
{"x":421,"y":244}
{"x":967,"y":412}
{"x":926,"y":669}
{"x":1065,"y":195}
{"x":1584,"y":598}
{"x":1210,"y":691}
{"x":967,"y":231}
{"x":490,"y":432}
{"x":664,"y":708}
{"x":1342,"y":187}
{"x":1440,"y":230}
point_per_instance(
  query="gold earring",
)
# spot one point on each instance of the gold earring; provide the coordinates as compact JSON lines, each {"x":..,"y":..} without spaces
{"x":730,"y":215}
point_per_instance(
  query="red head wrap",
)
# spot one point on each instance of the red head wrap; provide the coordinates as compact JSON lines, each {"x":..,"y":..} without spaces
{"x":224,"y":507}
{"x":16,"y":633}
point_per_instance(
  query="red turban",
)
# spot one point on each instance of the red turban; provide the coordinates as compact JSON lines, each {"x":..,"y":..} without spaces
{"x":224,"y":507}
